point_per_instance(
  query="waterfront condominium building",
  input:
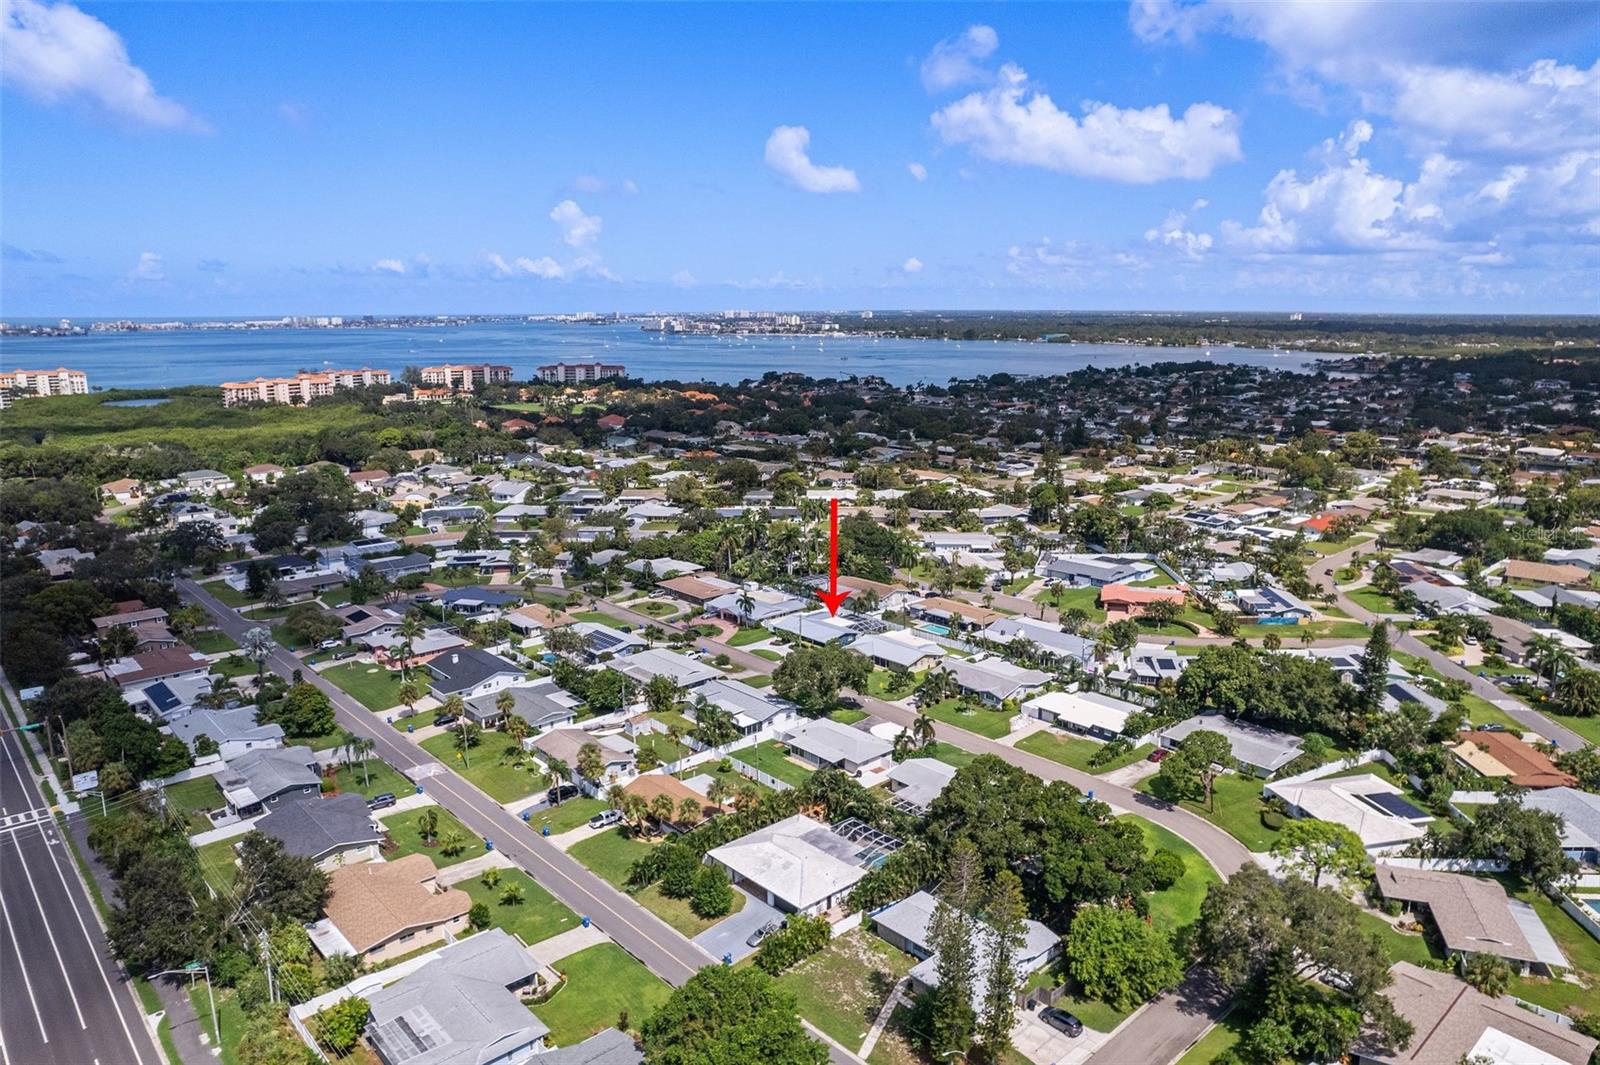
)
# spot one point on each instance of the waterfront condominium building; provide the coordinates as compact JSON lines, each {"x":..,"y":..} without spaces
{"x":465,"y":376}
{"x":301,"y":388}
{"x":58,"y":382}
{"x":580,"y":373}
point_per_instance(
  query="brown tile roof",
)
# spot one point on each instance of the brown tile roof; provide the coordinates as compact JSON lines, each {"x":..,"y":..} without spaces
{"x":1126,"y":593}
{"x":1518,"y":569}
{"x":692,"y":588}
{"x":1530,"y":768}
{"x":1472,"y":914}
{"x":373,"y":902}
{"x":976,"y":614}
{"x":652,"y":784}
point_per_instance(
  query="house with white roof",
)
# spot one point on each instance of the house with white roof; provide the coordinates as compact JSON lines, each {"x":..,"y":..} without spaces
{"x":799,"y":865}
{"x":1371,"y":807}
{"x":994,"y":680}
{"x":1086,"y":713}
{"x":900,"y":650}
{"x":826,"y":744}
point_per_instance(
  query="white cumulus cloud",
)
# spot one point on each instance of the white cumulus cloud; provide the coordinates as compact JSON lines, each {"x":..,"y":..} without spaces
{"x":787,"y":154}
{"x":396,"y":267}
{"x":1014,"y":123}
{"x":1173,"y":233}
{"x":955,"y":60}
{"x":149,"y":268}
{"x":918,"y":171}
{"x":57,"y":53}
{"x":579,"y":230}
{"x":912,"y":265}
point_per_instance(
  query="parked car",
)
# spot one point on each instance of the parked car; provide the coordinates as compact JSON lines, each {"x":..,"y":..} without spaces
{"x":445,"y":721}
{"x":381,"y":801}
{"x":1491,"y":726}
{"x":1159,"y":754}
{"x":763,"y":932}
{"x":328,"y":645}
{"x":561,"y":793}
{"x":423,"y":598}
{"x":604,"y":818}
{"x":1061,"y":1021}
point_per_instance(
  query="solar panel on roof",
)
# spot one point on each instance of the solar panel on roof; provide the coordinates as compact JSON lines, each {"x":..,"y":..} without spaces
{"x":409,"y":1035}
{"x":1394,"y":805}
{"x":603,"y":640}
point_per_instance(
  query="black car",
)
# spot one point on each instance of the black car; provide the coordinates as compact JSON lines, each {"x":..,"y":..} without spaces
{"x":381,"y":802}
{"x":1491,"y":726}
{"x":561,"y":793}
{"x":1061,"y":1021}
{"x":445,"y":721}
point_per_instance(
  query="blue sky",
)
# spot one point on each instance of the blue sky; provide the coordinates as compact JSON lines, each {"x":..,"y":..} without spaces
{"x":210,"y":159}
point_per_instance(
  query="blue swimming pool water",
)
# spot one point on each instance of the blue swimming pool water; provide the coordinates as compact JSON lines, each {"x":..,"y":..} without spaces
{"x":937,"y":630}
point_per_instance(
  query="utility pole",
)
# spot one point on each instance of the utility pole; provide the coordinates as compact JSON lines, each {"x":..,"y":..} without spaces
{"x":266,"y":960}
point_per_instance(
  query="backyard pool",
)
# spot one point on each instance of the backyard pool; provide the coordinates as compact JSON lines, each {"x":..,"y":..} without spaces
{"x":937,"y":630}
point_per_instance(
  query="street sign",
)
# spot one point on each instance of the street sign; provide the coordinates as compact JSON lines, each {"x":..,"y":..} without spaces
{"x":82,"y":782}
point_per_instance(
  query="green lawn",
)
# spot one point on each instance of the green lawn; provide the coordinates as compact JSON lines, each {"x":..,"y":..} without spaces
{"x":1291,"y":635}
{"x":193,"y":798}
{"x":654,"y":608}
{"x":662,"y":745}
{"x":982,"y":720}
{"x":841,"y":989}
{"x":745,"y":637}
{"x":1179,"y":905}
{"x":1237,"y":801}
{"x":217,"y":863}
{"x":235,"y":666}
{"x":1374,"y":600}
{"x":759,"y":681}
{"x":230,"y":1018}
{"x":405,"y":837}
{"x":610,"y":855}
{"x":376,"y":778}
{"x":1221,"y":1038}
{"x":1587,"y":727}
{"x":596,"y":618}
{"x":731,"y":778}
{"x":770,"y":759}
{"x":950,"y":754}
{"x":1398,"y":945}
{"x":600,"y":982}
{"x":224,"y":592}
{"x":769,"y":654}
{"x":849,"y":717}
{"x":374,"y":687}
{"x":491,"y":764}
{"x":1076,"y":751}
{"x":1084,"y":599}
{"x":538,"y":916}
{"x":886,"y":684}
{"x":567,"y":816}
{"x":213,"y":642}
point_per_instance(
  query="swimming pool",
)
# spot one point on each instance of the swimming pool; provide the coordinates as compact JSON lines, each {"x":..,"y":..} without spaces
{"x":937,"y":630}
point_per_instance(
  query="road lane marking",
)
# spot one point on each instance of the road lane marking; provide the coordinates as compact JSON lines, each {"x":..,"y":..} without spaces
{"x":44,"y":917}
{"x":75,"y":900}
{"x":17,"y":943}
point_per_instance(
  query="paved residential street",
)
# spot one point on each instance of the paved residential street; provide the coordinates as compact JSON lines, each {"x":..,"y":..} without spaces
{"x":661,"y":948}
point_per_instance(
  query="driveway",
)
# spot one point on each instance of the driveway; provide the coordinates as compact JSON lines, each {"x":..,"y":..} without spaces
{"x":1043,"y":1045}
{"x":728,"y":935}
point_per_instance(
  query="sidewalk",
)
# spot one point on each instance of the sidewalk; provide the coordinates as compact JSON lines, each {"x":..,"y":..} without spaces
{"x":549,"y":951}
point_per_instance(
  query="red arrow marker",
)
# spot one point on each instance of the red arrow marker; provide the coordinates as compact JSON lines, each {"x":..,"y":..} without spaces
{"x":833,"y":598}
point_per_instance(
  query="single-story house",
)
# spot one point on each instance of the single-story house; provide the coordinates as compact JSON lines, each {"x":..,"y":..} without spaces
{"x":601,"y":642}
{"x":753,"y":709}
{"x":994,"y":680}
{"x":166,"y":700}
{"x":267,"y":777}
{"x":535,"y":619}
{"x":480,"y":602}
{"x":467,"y":1004}
{"x":649,"y":786}
{"x":698,"y":590}
{"x":815,"y":626}
{"x":900,"y":650}
{"x":798,"y":865}
{"x":659,"y":569}
{"x":233,"y":731}
{"x":542,"y":704}
{"x":1047,"y":637}
{"x":1506,"y":757}
{"x":1580,"y":815}
{"x":389,"y":649}
{"x":826,"y":744}
{"x":1097,"y":571}
{"x":363,"y":620}
{"x":470,"y":672}
{"x":916,"y":782}
{"x":168,"y":663}
{"x":378,"y":911}
{"x":1122,"y":601}
{"x":395,"y":567}
{"x":617,"y":752}
{"x":1474,"y":915}
{"x":1087,"y":713}
{"x":765,"y":604}
{"x":1258,"y":750}
{"x":123,"y":492}
{"x":1438,"y":599}
{"x":953,"y":613}
{"x":1366,"y":804}
{"x":644,"y":666}
{"x":905,"y":925}
{"x":1273,"y":603}
{"x":335,"y":831}
{"x":1452,"y":1022}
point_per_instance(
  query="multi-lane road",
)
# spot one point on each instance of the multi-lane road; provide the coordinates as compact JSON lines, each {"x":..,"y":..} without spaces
{"x":65,"y":1000}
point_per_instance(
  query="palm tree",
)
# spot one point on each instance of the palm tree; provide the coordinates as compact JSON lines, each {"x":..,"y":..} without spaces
{"x":516,"y":726}
{"x":1548,"y":658}
{"x":410,"y":694}
{"x":410,"y":629}
{"x":717,"y":790}
{"x":747,"y":606}
{"x":363,"y":748}
{"x":503,"y":704}
{"x":922,"y":730}
{"x":689,"y":810}
{"x":428,"y":824}
{"x":258,"y":645}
